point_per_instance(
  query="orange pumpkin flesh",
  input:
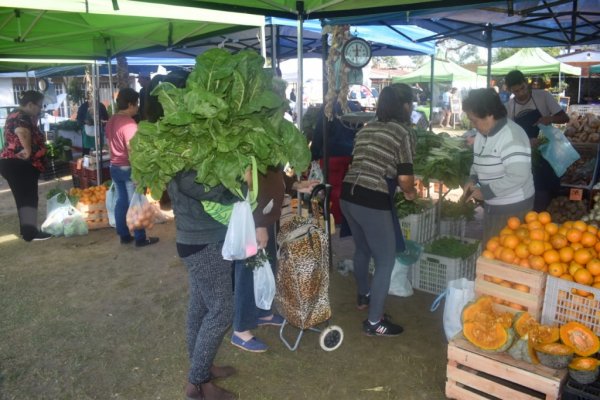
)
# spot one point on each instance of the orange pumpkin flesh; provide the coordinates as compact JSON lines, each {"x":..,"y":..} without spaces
{"x":580,"y":338}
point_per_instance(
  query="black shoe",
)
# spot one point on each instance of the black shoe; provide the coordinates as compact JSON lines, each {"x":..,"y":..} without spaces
{"x":146,"y":242}
{"x":126,"y":240}
{"x":42,"y":236}
{"x":362,"y":301}
{"x":382,"y":328}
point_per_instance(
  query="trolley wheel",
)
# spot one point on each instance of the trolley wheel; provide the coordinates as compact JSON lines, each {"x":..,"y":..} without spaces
{"x":331,"y":338}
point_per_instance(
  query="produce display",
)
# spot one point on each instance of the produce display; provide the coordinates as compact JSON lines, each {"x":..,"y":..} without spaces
{"x":562,"y":209}
{"x":568,"y":251}
{"x":525,"y":339}
{"x":451,"y":248}
{"x":406,"y":207}
{"x":457,"y":209}
{"x":581,"y":172}
{"x":584,"y":370}
{"x":227,"y":113}
{"x":594,"y":214}
{"x":583,"y":128}
{"x":443,"y":158}
{"x":90,"y":195}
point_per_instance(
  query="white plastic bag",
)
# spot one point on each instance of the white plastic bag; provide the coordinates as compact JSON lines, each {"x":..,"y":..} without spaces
{"x":315,"y":171}
{"x":141,"y":214}
{"x":111,"y":201}
{"x":264,"y":286}
{"x":240,"y":240}
{"x":57,"y":201}
{"x":399,"y":283}
{"x":458,"y":294}
{"x":67,"y":221}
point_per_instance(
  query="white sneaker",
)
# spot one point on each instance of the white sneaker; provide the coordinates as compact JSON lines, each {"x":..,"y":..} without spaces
{"x":42,"y":236}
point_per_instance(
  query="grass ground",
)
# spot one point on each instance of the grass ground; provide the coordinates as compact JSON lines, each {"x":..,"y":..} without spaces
{"x":88,"y":318}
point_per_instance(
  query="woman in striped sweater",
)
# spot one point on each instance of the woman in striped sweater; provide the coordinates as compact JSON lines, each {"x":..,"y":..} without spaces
{"x":501,"y":171}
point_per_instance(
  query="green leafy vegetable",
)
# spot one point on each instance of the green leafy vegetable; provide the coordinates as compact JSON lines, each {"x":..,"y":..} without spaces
{"x":451,"y":248}
{"x":459,"y":209}
{"x":406,"y":207}
{"x":443,"y":158}
{"x":227,"y":113}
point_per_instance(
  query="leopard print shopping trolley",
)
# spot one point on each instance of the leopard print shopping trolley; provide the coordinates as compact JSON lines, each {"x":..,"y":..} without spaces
{"x":303,"y":276}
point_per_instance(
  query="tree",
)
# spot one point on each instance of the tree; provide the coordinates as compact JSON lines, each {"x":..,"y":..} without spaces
{"x":122,"y":72}
{"x":385,"y":62}
{"x":458,"y":52}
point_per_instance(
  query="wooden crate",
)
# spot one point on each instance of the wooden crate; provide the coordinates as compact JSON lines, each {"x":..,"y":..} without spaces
{"x":536,"y":280}
{"x":95,"y":215}
{"x":473,"y":374}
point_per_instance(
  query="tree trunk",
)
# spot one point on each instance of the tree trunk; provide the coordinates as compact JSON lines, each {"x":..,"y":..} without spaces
{"x":122,"y":72}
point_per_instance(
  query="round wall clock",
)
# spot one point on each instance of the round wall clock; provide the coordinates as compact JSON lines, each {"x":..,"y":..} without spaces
{"x":356,"y":52}
{"x":42,"y":85}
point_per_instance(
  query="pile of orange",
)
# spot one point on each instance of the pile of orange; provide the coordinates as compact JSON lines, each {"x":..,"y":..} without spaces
{"x":90,"y":195}
{"x":569,"y":251}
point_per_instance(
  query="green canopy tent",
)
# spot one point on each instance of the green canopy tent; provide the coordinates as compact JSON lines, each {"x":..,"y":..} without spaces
{"x":443,"y":71}
{"x":99,"y":29}
{"x":595,"y":69}
{"x":531,"y":61}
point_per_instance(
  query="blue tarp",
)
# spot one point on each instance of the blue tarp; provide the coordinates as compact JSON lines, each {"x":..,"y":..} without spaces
{"x":511,"y":23}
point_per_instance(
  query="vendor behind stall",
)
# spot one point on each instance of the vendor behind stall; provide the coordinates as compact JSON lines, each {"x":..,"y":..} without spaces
{"x":85,"y":117}
{"x":529,"y":108}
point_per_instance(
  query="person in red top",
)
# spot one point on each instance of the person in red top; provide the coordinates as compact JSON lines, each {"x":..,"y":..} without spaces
{"x":120,"y":129}
{"x":22,"y":160}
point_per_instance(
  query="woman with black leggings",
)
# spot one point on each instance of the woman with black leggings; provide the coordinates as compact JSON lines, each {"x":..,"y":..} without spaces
{"x":22,"y":160}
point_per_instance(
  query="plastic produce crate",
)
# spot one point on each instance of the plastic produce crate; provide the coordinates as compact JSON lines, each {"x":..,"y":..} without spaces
{"x":432,"y":273}
{"x":453,"y":227}
{"x":576,"y":391}
{"x":419,"y":228}
{"x":561,"y":305}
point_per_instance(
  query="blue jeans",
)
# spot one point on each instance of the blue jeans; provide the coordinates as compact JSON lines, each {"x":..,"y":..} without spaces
{"x":121,"y":176}
{"x":245,"y":311}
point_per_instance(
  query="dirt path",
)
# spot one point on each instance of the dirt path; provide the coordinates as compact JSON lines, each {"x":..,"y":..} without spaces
{"x":88,"y":318}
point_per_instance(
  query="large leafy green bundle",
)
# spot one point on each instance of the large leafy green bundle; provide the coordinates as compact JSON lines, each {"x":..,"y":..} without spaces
{"x":227,"y":113}
{"x":443,"y":158}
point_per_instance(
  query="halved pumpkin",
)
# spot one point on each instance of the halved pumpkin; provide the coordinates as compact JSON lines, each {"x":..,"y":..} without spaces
{"x":491,"y":336}
{"x":580,"y":338}
{"x":478,"y":309}
{"x":522,"y":322}
{"x":584,"y":370}
{"x":554,"y":355}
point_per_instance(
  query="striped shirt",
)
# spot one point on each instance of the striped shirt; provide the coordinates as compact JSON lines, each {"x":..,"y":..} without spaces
{"x":381,"y":150}
{"x":502,"y":164}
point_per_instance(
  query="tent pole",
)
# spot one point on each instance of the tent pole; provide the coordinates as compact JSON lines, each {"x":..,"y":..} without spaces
{"x":96,"y":123}
{"x":110,"y":82}
{"x":300,"y":78}
{"x":579,"y":91}
{"x":27,"y":86}
{"x":326,"y":121}
{"x":431,"y":90}
{"x":263,"y":42}
{"x":488,"y":39}
{"x":274,"y":52}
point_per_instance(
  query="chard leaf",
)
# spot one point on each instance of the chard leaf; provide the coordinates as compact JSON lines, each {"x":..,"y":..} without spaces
{"x":212,"y":66}
{"x":238,"y":90}
{"x":204,"y":104}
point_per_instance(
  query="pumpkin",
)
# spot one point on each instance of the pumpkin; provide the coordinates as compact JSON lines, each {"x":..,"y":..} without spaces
{"x":584,"y":370}
{"x":489,"y":336}
{"x":477,"y":309}
{"x":580,"y":338}
{"x":554,"y":355}
{"x":522,"y":322}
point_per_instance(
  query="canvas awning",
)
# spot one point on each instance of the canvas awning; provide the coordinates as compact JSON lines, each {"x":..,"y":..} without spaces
{"x":531,"y":61}
{"x":67,"y":29}
{"x":444,"y":71}
{"x":595,"y":69}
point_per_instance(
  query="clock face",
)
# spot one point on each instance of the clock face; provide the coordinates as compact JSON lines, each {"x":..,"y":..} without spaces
{"x":42,"y":85}
{"x":357,"y":53}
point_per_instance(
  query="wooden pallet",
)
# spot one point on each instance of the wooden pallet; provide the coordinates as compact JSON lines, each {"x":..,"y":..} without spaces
{"x":535,"y":280}
{"x":473,"y":374}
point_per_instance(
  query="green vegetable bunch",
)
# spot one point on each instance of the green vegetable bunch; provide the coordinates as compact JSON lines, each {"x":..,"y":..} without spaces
{"x":406,"y":207}
{"x":459,"y":209}
{"x":227,"y":113}
{"x":443,"y":158}
{"x":451,"y":248}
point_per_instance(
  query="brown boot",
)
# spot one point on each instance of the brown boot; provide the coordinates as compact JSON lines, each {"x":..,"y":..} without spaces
{"x":221,"y":372}
{"x":207,"y":391}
